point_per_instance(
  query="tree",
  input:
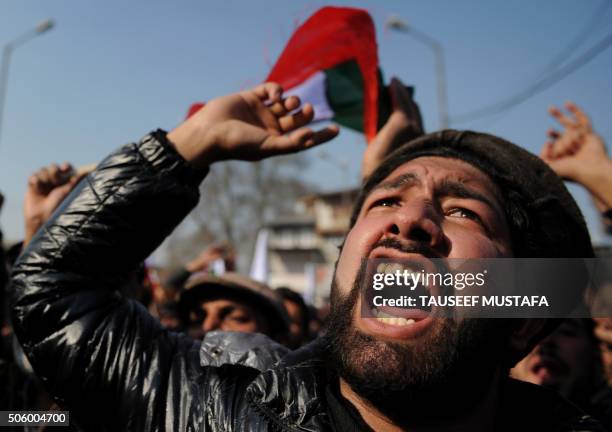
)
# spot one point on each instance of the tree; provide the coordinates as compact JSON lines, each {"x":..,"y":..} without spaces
{"x":237,"y":199}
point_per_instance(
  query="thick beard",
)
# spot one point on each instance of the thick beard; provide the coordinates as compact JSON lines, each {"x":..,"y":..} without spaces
{"x":435,"y":376}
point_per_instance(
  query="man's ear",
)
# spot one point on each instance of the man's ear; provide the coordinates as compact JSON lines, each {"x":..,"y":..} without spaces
{"x":526,"y":335}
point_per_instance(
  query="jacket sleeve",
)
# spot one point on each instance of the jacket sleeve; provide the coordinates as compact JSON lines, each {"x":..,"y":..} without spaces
{"x":101,"y":355}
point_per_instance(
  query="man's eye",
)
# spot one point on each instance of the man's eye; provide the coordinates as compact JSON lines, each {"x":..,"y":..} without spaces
{"x":385,"y":202}
{"x":240,"y":318}
{"x":463,"y":213}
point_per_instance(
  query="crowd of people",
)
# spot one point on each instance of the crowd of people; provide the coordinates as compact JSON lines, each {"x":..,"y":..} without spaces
{"x":87,"y":328}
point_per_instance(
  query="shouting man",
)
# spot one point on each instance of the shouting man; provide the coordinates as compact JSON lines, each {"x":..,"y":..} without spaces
{"x":450,"y":194}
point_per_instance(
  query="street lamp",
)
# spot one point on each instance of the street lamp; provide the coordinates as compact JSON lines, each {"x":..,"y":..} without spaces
{"x":396,"y":23}
{"x":42,"y":27}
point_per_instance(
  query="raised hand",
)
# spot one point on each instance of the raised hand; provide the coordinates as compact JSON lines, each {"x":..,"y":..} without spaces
{"x":47,"y":187}
{"x":403,"y":125}
{"x":250,"y":125}
{"x":578,"y":154}
{"x":209,"y":255}
{"x":572,"y":152}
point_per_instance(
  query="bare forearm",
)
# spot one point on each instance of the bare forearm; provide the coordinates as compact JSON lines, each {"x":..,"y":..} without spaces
{"x":597,"y":179}
{"x":31,"y":227}
{"x":194,"y":143}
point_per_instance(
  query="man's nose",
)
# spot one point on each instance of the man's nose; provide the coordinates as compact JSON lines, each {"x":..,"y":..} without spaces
{"x":212,"y":322}
{"x":420,"y":222}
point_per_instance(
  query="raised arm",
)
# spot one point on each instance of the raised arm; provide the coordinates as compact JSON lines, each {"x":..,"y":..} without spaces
{"x":101,"y":355}
{"x":403,"y":125}
{"x":47,"y":188}
{"x":578,"y":154}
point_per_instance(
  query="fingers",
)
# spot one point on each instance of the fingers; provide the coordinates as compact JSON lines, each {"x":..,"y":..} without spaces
{"x":297,"y":140}
{"x":296,"y":120}
{"x":555,"y":147}
{"x":306,"y":138}
{"x":285,"y":114}
{"x":269,"y":91}
{"x":406,"y":112}
{"x":547,"y":152}
{"x":565,"y":144}
{"x":581,"y":117}
{"x":553,"y":134}
{"x":323,"y":135}
{"x":400,"y":96}
{"x":284,"y":106}
{"x":50,"y":177}
{"x":394,"y":93}
{"x":561,"y":118}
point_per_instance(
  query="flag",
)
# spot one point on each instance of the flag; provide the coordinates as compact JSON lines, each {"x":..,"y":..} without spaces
{"x":194,"y":108}
{"x":331,"y":61}
{"x":259,"y":263}
{"x":310,"y":292}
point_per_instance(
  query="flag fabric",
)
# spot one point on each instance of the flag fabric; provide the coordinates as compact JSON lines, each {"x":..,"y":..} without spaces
{"x":331,"y":61}
{"x":259,"y":263}
{"x":310,"y":292}
{"x":194,"y":108}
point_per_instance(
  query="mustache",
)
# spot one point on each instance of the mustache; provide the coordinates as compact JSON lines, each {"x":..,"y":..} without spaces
{"x":411,"y":247}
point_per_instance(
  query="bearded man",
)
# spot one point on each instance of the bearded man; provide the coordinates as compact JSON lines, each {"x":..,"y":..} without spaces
{"x":446,"y":195}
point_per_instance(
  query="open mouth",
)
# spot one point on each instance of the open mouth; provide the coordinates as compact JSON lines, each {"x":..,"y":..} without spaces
{"x":401,"y":301}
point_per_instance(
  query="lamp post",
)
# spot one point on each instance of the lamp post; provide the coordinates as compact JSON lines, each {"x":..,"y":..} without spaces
{"x":8,"y":49}
{"x":396,"y":23}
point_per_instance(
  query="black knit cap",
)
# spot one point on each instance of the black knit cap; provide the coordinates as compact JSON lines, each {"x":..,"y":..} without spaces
{"x":543,"y":217}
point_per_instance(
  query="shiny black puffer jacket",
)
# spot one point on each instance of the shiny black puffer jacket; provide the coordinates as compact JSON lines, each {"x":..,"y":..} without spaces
{"x":107,"y":361}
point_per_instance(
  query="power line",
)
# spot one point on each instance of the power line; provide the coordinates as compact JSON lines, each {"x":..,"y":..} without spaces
{"x":587,"y":30}
{"x":539,"y":86}
{"x":593,"y":23}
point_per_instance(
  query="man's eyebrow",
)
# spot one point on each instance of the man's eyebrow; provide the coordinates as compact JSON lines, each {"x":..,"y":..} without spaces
{"x":447,"y":187}
{"x":397,"y":183}
{"x":459,"y":189}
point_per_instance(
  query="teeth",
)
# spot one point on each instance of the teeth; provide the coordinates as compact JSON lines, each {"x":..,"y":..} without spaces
{"x":393,"y":268}
{"x":397,"y":321}
{"x":390,"y":319}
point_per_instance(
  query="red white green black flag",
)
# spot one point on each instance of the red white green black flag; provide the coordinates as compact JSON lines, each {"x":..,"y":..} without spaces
{"x":331,"y":61}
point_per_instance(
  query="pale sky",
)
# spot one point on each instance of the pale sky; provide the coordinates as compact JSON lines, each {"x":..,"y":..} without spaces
{"x":111,"y":71}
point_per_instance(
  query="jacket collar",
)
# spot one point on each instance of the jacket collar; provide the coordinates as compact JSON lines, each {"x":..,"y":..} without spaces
{"x":292,"y":393}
